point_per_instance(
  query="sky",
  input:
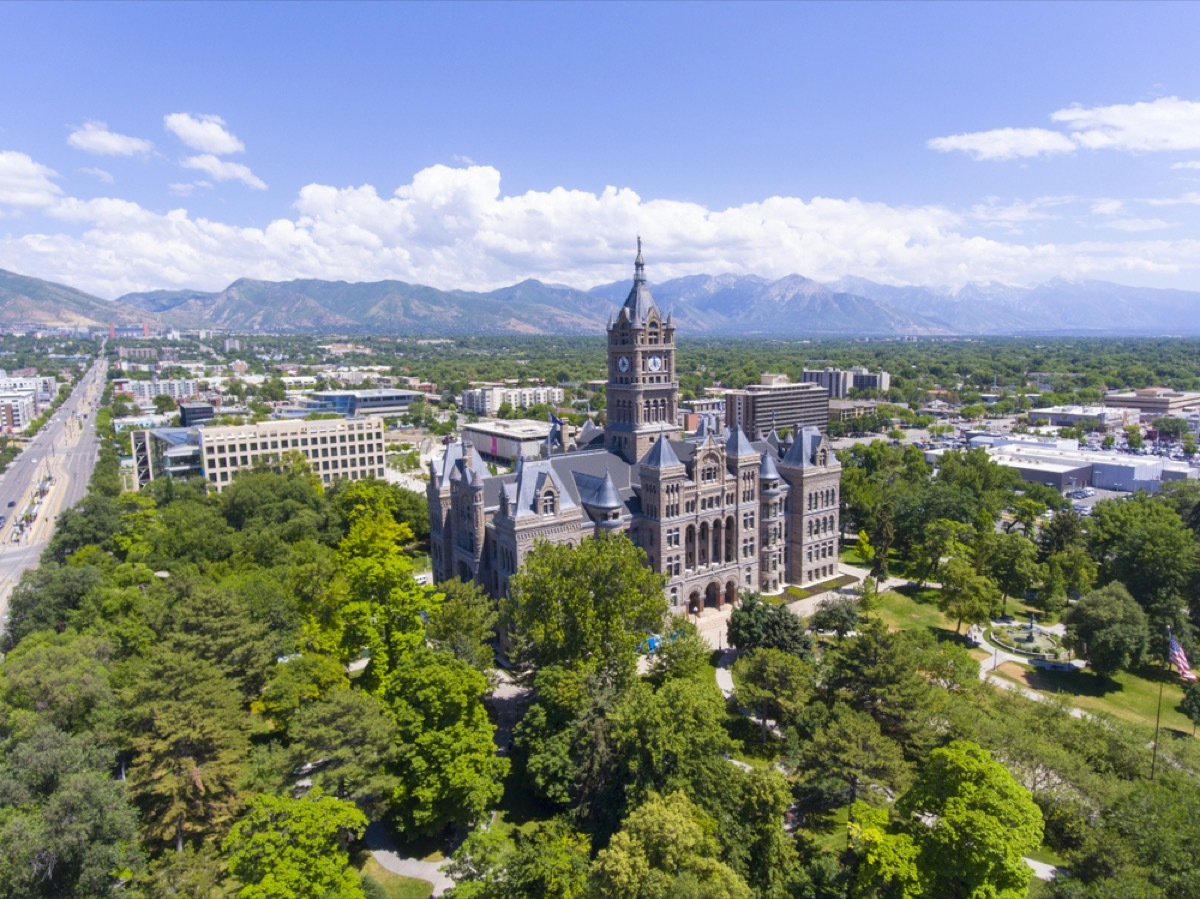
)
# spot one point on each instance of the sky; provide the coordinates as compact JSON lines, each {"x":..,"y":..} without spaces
{"x":474,"y":145}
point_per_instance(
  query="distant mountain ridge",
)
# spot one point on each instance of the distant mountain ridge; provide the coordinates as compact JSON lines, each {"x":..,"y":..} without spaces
{"x":32,"y":301}
{"x":734,"y":305}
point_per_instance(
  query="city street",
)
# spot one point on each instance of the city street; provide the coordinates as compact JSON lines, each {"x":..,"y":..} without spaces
{"x":65,"y":451}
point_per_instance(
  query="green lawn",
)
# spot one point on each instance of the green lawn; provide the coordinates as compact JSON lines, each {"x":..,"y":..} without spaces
{"x":831,"y":838}
{"x":394,"y":886}
{"x":850,"y":556}
{"x":910,"y":608}
{"x":791,"y":594}
{"x":897,"y":567}
{"x":1129,"y":696}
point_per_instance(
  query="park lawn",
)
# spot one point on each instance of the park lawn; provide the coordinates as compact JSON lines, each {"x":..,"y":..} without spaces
{"x":1129,"y":696}
{"x":394,"y":885}
{"x":850,"y":556}
{"x":1038,"y":889}
{"x":900,"y":612}
{"x":832,"y":838}
{"x":791,"y":594}
{"x":897,"y":567}
{"x":1046,"y":856}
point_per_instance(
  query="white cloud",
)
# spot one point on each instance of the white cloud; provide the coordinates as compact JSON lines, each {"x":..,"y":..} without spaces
{"x":1011,"y":216}
{"x":1193,"y":164}
{"x":24,"y":182}
{"x":454,"y":227}
{"x":104,"y":176}
{"x":94,"y":137}
{"x":206,"y":133}
{"x":1165,"y":124}
{"x":1107,"y":207}
{"x":1134,"y":225}
{"x":1192,"y":198}
{"x":187,"y":188}
{"x":223,"y":170}
{"x":1005,"y":143}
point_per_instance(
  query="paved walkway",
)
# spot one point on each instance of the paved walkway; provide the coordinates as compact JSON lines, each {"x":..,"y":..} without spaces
{"x":383,"y":848}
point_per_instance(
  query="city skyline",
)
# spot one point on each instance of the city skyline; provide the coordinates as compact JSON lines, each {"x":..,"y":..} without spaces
{"x":471,"y":145}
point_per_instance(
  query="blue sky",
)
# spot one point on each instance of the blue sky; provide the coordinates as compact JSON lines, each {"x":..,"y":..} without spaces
{"x":474,"y":145}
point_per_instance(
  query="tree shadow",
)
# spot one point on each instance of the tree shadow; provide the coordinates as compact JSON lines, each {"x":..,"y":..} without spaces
{"x":520,"y":803}
{"x":1078,"y":683}
{"x":924,"y":596}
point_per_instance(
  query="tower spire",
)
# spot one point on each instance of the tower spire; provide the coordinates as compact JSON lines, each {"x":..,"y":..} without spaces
{"x":639,"y":264}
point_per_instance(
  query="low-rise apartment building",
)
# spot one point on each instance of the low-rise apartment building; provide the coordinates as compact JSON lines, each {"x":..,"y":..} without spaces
{"x":488,"y":399}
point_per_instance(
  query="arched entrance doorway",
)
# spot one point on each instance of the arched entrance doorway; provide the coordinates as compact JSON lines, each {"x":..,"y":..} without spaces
{"x":731,"y":592}
{"x":712,"y":596}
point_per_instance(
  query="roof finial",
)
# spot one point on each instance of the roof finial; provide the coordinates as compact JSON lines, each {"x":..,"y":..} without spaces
{"x":639,"y":265}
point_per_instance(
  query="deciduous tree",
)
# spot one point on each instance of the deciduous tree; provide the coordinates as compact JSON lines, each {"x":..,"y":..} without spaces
{"x":967,"y":595}
{"x":971,"y":823}
{"x":284,"y":848}
{"x":665,"y":849}
{"x":758,"y":624}
{"x":589,"y":605}
{"x":448,"y":768}
{"x":1109,"y":629}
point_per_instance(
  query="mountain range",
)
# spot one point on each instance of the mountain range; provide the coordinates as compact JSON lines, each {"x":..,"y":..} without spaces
{"x":734,"y":305}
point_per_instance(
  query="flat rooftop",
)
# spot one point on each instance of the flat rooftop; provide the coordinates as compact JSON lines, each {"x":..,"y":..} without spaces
{"x":514,"y":428}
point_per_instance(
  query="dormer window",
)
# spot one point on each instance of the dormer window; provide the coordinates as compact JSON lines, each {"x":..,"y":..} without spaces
{"x":549,"y":503}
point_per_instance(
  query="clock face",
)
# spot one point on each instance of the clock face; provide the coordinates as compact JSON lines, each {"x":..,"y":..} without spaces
{"x":655,"y":363}
{"x":623,"y":363}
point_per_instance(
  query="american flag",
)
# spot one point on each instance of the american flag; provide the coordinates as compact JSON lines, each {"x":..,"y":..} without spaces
{"x":1179,"y":659}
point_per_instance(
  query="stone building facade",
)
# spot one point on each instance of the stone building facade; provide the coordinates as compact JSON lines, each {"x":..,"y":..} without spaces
{"x":718,"y":512}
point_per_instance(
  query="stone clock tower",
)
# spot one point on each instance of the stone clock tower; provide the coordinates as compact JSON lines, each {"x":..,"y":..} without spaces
{"x":643,"y":395}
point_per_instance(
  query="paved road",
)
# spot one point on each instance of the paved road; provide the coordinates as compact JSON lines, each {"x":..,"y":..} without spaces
{"x":64,"y":450}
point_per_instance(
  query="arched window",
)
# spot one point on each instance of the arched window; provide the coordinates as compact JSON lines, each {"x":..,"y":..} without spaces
{"x":549,"y":502}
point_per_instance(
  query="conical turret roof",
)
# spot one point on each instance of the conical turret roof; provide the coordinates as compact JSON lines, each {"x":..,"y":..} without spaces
{"x":639,"y":304}
{"x":738,"y":444}
{"x":767,"y":470}
{"x":660,"y":455}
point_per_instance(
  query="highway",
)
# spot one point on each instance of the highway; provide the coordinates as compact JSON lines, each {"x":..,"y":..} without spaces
{"x":61,"y":457}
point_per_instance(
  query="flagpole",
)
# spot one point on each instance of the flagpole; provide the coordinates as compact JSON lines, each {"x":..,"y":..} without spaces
{"x":1158,"y":715}
{"x":1157,"y":720}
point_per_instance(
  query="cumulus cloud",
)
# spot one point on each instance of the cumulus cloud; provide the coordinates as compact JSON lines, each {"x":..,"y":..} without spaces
{"x":1005,"y":143}
{"x":206,"y":133}
{"x":223,"y":170}
{"x":94,"y":137}
{"x":104,"y":176}
{"x":24,"y":182}
{"x":1166,"y":124}
{"x":455,"y":227}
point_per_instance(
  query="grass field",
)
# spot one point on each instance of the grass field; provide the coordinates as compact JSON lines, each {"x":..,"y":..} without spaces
{"x":791,"y":594}
{"x":395,"y":886}
{"x":1129,"y":696}
{"x":910,"y":608}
